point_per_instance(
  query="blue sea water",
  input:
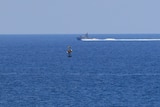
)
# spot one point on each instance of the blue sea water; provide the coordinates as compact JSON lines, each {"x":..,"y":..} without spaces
{"x":36,"y":72}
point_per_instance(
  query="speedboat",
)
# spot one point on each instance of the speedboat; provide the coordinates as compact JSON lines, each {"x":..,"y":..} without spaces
{"x":83,"y":37}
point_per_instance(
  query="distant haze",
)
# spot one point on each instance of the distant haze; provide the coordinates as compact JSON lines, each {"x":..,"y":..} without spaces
{"x":79,"y":16}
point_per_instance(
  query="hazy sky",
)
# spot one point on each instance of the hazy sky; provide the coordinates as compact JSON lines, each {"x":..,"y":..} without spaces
{"x":79,"y":16}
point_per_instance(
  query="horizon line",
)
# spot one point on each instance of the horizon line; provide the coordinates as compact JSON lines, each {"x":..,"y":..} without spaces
{"x":76,"y":33}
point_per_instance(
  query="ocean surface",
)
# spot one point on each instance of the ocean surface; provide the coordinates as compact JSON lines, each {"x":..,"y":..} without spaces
{"x":36,"y":72}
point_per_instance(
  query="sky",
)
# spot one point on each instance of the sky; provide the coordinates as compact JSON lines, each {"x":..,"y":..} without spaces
{"x":79,"y":16}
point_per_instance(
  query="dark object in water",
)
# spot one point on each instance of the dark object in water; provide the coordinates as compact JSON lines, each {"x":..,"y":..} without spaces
{"x":69,"y":51}
{"x":69,"y":55}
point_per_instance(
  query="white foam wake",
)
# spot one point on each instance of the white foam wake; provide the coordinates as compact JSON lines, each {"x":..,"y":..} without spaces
{"x":113,"y":39}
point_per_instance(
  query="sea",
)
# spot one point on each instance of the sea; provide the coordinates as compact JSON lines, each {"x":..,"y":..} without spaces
{"x":35,"y":71}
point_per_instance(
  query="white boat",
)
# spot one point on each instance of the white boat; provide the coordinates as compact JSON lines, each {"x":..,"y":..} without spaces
{"x":86,"y":38}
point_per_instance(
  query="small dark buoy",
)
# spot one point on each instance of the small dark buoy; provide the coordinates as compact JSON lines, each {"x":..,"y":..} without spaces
{"x":69,"y":51}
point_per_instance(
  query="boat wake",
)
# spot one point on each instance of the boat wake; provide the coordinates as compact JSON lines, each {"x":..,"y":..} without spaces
{"x":121,"y":40}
